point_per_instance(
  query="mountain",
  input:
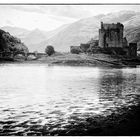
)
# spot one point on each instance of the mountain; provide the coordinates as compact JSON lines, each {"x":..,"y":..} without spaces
{"x":37,"y":40}
{"x":28,"y":37}
{"x":33,"y":38}
{"x":15,"y":31}
{"x":85,"y":29}
{"x":79,"y":32}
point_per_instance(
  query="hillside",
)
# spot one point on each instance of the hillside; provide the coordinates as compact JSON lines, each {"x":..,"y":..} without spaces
{"x":15,"y":31}
{"x":38,"y":40}
{"x":34,"y":39}
{"x":9,"y":43}
{"x":79,"y":32}
{"x":85,"y":29}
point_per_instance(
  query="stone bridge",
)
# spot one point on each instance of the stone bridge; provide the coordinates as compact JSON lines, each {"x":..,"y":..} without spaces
{"x":26,"y":55}
{"x":12,"y":55}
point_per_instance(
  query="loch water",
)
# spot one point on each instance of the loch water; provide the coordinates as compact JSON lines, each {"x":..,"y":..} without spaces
{"x":36,"y":99}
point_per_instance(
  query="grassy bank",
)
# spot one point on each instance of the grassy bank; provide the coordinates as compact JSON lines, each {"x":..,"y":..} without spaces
{"x":101,"y":60}
{"x":68,"y":59}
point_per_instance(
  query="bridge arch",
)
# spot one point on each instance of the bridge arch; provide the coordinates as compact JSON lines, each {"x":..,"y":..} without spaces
{"x":20,"y":53}
{"x":14,"y":54}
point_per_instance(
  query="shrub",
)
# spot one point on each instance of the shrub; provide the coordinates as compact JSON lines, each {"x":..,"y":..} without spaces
{"x":84,"y":47}
{"x":49,"y":50}
{"x":75,"y":49}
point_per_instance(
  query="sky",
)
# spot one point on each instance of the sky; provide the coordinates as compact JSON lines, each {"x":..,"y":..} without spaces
{"x":49,"y":17}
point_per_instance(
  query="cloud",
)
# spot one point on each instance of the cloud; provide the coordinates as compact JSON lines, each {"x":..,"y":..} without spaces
{"x":28,"y":17}
{"x":68,"y":11}
{"x":27,"y":8}
{"x":73,"y":11}
{"x":49,"y":17}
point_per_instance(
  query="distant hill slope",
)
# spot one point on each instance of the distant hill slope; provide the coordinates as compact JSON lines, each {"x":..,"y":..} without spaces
{"x":38,"y":40}
{"x":33,"y":38}
{"x":15,"y":31}
{"x":80,"y":32}
{"x":85,"y":29}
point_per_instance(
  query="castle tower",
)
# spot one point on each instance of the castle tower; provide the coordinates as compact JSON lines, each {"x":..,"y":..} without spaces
{"x":101,"y":36}
{"x":111,"y":35}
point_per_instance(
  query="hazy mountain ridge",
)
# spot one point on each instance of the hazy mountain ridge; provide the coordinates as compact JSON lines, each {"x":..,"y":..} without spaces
{"x":34,"y":38}
{"x":85,"y":29}
{"x":80,"y":32}
{"x":15,"y":31}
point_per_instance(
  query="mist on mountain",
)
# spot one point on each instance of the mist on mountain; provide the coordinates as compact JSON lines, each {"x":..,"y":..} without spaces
{"x":78,"y":32}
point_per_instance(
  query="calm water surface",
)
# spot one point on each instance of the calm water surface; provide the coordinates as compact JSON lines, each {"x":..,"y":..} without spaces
{"x":48,"y":98}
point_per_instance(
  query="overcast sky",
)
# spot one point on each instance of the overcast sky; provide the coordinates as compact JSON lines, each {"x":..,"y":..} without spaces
{"x":48,"y":17}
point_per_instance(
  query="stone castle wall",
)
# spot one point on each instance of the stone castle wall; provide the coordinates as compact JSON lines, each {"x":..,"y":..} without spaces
{"x":111,"y":38}
{"x":132,"y":49}
{"x":111,"y":35}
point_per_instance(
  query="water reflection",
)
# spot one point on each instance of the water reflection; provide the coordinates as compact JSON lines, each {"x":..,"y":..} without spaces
{"x":116,"y":83}
{"x":40,"y":99}
{"x":111,"y":84}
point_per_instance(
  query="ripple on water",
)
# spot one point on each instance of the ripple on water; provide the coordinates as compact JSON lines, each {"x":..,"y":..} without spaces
{"x":78,"y":97}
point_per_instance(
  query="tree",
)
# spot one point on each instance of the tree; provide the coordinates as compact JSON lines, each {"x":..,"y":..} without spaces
{"x":49,"y":50}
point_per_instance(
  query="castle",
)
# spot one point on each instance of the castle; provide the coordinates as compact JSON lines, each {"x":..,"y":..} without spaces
{"x":111,"y":38}
{"x":111,"y":35}
{"x":111,"y":41}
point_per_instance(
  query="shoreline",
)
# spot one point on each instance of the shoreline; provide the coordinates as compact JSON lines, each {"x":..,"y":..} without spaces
{"x":68,"y":59}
